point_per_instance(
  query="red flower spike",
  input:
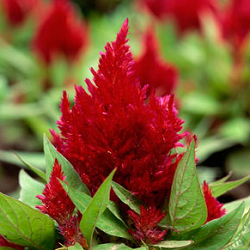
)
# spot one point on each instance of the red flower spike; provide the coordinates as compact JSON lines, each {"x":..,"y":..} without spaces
{"x":16,"y":11}
{"x":5,"y":243}
{"x":146,"y":225}
{"x":71,"y":34}
{"x":214,"y":207}
{"x":113,"y":127}
{"x":57,"y":203}
{"x":152,"y":70}
{"x":236,"y":22}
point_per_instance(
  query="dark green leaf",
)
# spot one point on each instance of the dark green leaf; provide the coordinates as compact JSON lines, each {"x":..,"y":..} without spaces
{"x":24,"y":225}
{"x":221,"y":188}
{"x":72,"y":176}
{"x":115,"y":210}
{"x":39,"y":172}
{"x":169,"y":244}
{"x":30,"y":188}
{"x":187,"y":207}
{"x":107,"y":222}
{"x":95,"y":208}
{"x":216,"y":233}
{"x":127,"y":197}
{"x":113,"y":246}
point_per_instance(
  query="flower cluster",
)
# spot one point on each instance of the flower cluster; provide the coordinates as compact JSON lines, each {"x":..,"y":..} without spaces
{"x":60,"y":32}
{"x":152,"y":70}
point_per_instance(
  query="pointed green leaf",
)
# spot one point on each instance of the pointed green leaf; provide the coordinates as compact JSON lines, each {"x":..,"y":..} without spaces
{"x":216,"y":233}
{"x":115,"y":210}
{"x":169,"y":244}
{"x":72,"y":176}
{"x":221,"y":188}
{"x":187,"y":207}
{"x":24,"y":225}
{"x":30,"y":188}
{"x":127,"y":197}
{"x":95,"y":208}
{"x":113,"y":246}
{"x":75,"y":247}
{"x":222,"y":180}
{"x":37,"y":171}
{"x":230,"y":206}
{"x":107,"y":222}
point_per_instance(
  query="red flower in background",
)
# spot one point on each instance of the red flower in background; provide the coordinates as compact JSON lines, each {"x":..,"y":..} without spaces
{"x":16,"y":11}
{"x":186,"y":14}
{"x":236,"y":22}
{"x":58,"y":205}
{"x":60,"y":33}
{"x":152,"y":70}
{"x":146,"y":225}
{"x":7,"y":244}
{"x":214,"y":207}
{"x":113,"y":127}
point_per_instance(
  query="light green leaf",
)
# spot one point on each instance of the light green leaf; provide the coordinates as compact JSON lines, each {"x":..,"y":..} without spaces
{"x":30,"y":188}
{"x":127,"y":197}
{"x":95,"y":208}
{"x":113,"y":246}
{"x":221,"y":188}
{"x":39,"y":172}
{"x":222,"y":180}
{"x":169,"y":244}
{"x":107,"y":222}
{"x":187,"y":207}
{"x":216,"y":233}
{"x":24,"y":225}
{"x":75,"y":247}
{"x":72,"y":176}
{"x":230,"y":206}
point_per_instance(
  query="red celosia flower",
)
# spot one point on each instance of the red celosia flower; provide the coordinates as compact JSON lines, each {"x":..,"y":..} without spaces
{"x":57,"y":204}
{"x":236,"y":22}
{"x":214,"y":207}
{"x":16,"y":11}
{"x":5,"y":243}
{"x":113,"y":127}
{"x":60,"y":32}
{"x":146,"y":225}
{"x":152,"y":70}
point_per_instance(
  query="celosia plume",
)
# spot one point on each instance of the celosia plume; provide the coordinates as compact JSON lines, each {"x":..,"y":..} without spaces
{"x":236,"y":22}
{"x":16,"y":11}
{"x":152,"y":70}
{"x":4,"y":243}
{"x":214,"y":207}
{"x":146,"y":228}
{"x":112,"y":127}
{"x":60,"y":32}
{"x":57,"y":204}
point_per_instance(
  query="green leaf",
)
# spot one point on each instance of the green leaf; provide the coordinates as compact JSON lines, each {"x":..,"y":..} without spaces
{"x":107,"y":222}
{"x":113,"y":246}
{"x":95,"y":208}
{"x":6,"y":248}
{"x":241,"y":239}
{"x":30,"y":188}
{"x":72,"y":176}
{"x":24,"y":225}
{"x":39,"y":172}
{"x":187,"y":207}
{"x":221,"y":188}
{"x":75,"y":247}
{"x":115,"y":210}
{"x":169,"y":244}
{"x":222,"y":180}
{"x":127,"y":197}
{"x":216,"y":233}
{"x":230,"y":206}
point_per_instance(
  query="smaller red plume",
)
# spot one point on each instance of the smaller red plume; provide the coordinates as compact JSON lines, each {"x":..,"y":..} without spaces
{"x":16,"y":11}
{"x":152,"y":70}
{"x":60,"y":32}
{"x":214,"y":207}
{"x":146,"y":225}
{"x":236,"y":22}
{"x":7,"y":244}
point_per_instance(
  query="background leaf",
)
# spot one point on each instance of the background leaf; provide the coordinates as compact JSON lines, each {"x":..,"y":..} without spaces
{"x":95,"y":208}
{"x":24,"y":225}
{"x":187,"y":207}
{"x":170,"y":244}
{"x":113,"y":246}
